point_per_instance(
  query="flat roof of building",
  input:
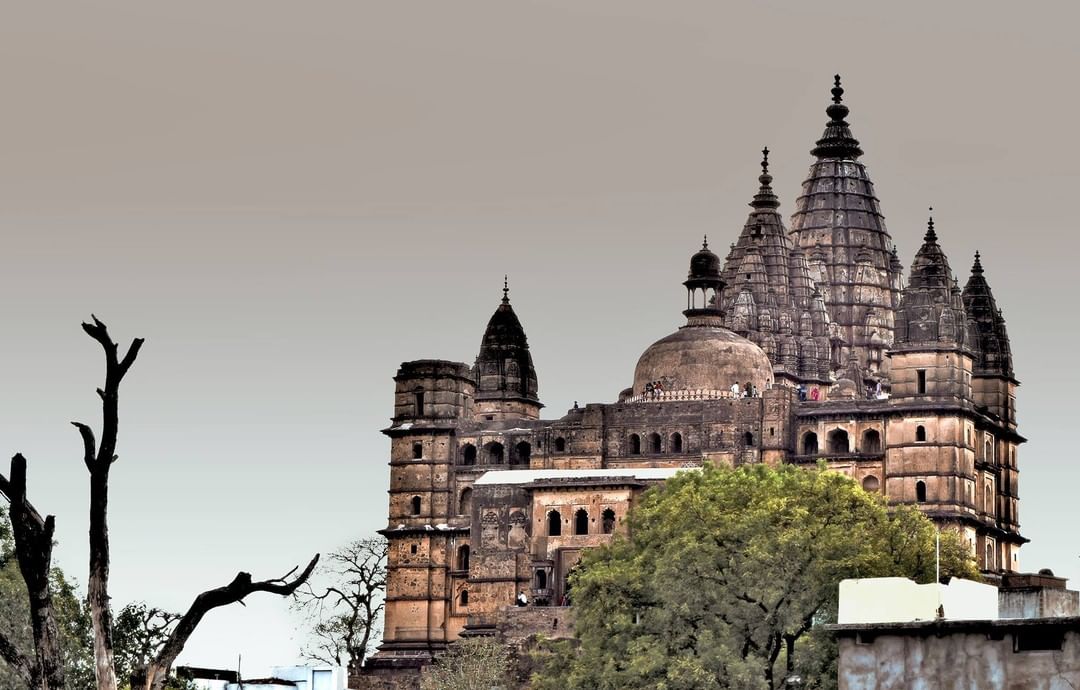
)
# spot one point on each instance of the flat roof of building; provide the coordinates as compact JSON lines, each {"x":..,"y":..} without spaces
{"x":529,"y":476}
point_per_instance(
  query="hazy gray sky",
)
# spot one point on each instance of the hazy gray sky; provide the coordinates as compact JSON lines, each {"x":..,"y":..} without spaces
{"x":289,"y":199}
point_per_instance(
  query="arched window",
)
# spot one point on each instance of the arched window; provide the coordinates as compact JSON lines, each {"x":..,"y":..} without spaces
{"x":465,"y":502}
{"x":991,"y":562}
{"x":464,"y":597}
{"x":838,"y":441}
{"x":654,"y":443}
{"x":809,"y":443}
{"x":581,"y":521}
{"x":418,"y":401}
{"x":493,"y":453}
{"x":635,"y":444}
{"x":871,"y":441}
{"x":988,"y":450}
{"x":417,"y":451}
{"x":608,"y":521}
{"x":871,"y":483}
{"x":416,"y":505}
{"x":676,"y":442}
{"x":920,"y":434}
{"x":554,"y":523}
{"x":522,"y":453}
{"x":541,"y":579}
{"x":748,"y":438}
{"x":560,"y":445}
{"x":988,"y":499}
{"x":920,"y":492}
{"x":468,"y":454}
{"x":463,"y":557}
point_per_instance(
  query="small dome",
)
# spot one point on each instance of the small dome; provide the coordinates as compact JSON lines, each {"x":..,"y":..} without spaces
{"x":699,"y":357}
{"x":704,"y":264}
{"x":844,"y":389}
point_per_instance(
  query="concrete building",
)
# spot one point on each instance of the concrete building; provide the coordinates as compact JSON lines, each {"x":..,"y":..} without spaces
{"x":892,"y":637}
{"x":803,"y":345}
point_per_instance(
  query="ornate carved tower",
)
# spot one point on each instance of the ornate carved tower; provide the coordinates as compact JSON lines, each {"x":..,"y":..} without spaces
{"x":838,"y":223}
{"x":506,"y":385}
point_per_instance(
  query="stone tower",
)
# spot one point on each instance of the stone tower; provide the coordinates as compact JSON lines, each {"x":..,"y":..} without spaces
{"x":506,"y":385}
{"x":838,"y":223}
{"x":773,"y":300}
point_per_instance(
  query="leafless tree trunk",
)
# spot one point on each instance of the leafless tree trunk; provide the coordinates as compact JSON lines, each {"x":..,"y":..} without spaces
{"x":98,"y":460}
{"x":235,"y":591}
{"x":33,"y":548}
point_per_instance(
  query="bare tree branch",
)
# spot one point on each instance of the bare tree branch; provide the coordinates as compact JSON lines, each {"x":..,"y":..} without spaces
{"x":234,"y":592}
{"x":33,"y":549}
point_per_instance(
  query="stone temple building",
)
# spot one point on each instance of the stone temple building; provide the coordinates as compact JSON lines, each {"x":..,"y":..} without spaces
{"x":803,"y":344}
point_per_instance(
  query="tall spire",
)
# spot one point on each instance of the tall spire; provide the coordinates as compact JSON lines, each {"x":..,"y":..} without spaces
{"x":931,"y":236}
{"x":837,"y":141}
{"x":765,"y":198}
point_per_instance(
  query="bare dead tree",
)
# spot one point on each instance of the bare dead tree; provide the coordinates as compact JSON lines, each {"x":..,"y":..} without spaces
{"x":33,"y":549}
{"x":98,"y":458}
{"x":346,"y":611}
{"x":234,"y":592}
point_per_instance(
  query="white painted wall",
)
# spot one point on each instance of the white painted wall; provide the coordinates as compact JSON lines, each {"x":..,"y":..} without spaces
{"x":900,"y":600}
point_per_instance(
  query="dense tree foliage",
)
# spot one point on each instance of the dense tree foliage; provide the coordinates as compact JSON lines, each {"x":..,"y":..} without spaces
{"x":473,"y":663}
{"x":726,"y":576}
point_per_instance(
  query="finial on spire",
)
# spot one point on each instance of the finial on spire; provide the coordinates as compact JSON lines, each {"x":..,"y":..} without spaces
{"x":977,"y":266}
{"x":765,"y":199}
{"x":506,"y":289}
{"x":837,"y":90}
{"x":931,"y":236}
{"x":765,"y":161}
{"x":705,"y":242}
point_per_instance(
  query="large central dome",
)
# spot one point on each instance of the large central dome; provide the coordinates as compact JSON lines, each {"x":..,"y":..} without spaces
{"x":703,"y":355}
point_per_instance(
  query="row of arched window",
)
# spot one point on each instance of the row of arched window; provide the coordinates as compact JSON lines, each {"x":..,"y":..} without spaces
{"x":654,"y":444}
{"x":838,"y":443}
{"x":581,"y":522}
{"x":494,"y":453}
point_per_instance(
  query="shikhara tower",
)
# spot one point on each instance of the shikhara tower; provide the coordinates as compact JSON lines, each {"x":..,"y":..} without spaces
{"x":908,"y":389}
{"x":839,"y":225}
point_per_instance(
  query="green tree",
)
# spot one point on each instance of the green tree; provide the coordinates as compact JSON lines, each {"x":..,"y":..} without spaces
{"x":473,"y":663}
{"x":726,"y":576}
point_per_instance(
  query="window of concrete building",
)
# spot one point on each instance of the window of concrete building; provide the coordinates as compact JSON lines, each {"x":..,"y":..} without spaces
{"x":748,"y":438}
{"x":463,"y":557}
{"x":654,"y":443}
{"x":920,"y":434}
{"x":493,"y":453}
{"x":871,"y":441}
{"x":465,"y":502}
{"x":871,"y":483}
{"x":920,"y":375}
{"x":838,"y":441}
{"x":416,"y":505}
{"x":809,"y":443}
{"x":418,"y":401}
{"x":468,"y":454}
{"x":608,"y":521}
{"x":522,"y":453}
{"x":1039,"y":639}
{"x":554,"y":523}
{"x":635,"y":444}
{"x":560,"y":445}
{"x":417,"y":451}
{"x":676,"y":442}
{"x":920,"y":492}
{"x":322,"y":680}
{"x":581,"y":521}
{"x":463,"y":598}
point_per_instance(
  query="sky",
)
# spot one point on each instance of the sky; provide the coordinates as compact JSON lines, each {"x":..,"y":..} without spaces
{"x":289,"y":199}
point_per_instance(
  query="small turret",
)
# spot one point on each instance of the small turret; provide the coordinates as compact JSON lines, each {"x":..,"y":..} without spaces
{"x":994,"y":382}
{"x":506,"y":385}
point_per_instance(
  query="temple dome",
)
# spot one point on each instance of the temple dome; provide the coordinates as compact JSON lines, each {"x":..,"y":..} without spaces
{"x":704,"y":264}
{"x":702,"y":357}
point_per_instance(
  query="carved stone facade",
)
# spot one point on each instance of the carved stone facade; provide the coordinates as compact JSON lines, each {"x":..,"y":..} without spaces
{"x":910,"y":390}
